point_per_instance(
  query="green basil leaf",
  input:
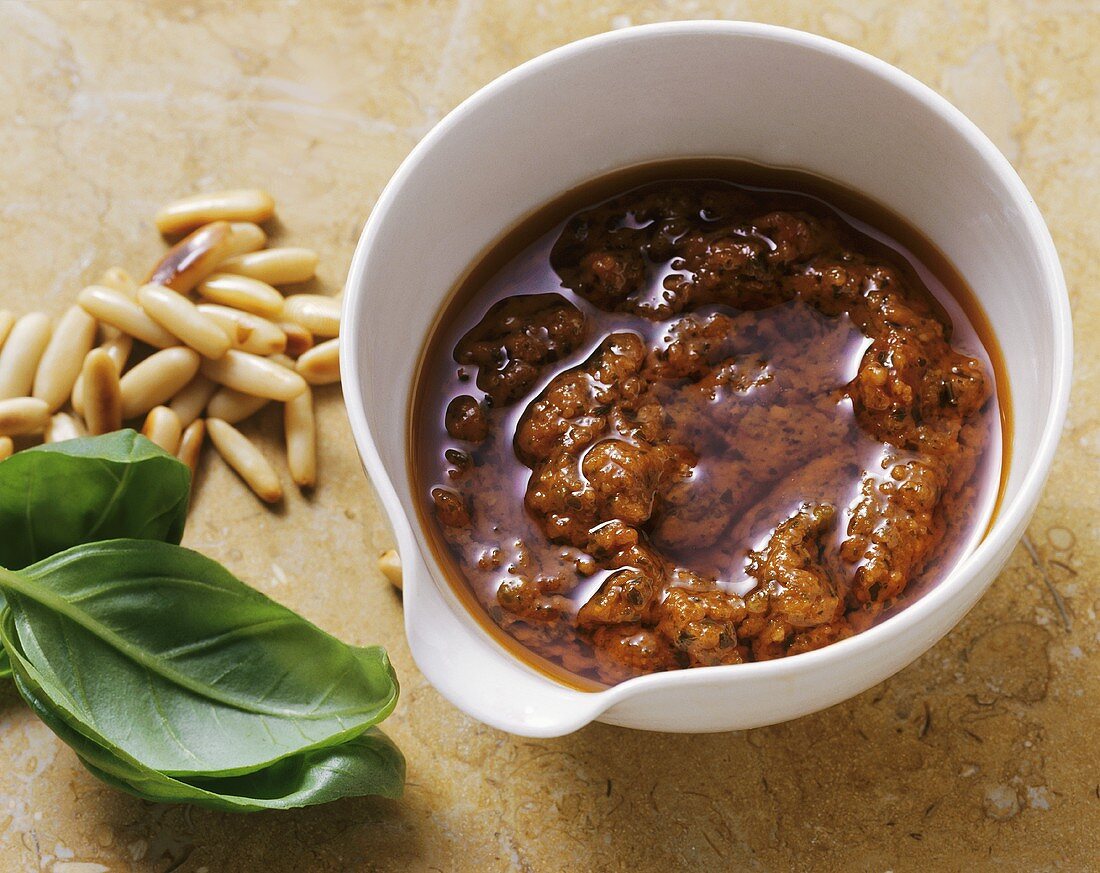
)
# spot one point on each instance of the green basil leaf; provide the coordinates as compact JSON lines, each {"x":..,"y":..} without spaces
{"x":63,"y":494}
{"x":159,"y":654}
{"x":367,"y":764}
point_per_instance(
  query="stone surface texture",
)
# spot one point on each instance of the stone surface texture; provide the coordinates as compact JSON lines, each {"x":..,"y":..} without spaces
{"x":983,"y":755}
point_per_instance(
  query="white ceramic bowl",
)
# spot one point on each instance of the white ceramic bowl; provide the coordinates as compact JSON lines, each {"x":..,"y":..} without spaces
{"x":706,"y":88}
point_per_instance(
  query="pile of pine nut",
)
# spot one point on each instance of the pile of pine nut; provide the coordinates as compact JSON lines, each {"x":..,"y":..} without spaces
{"x":199,"y":368}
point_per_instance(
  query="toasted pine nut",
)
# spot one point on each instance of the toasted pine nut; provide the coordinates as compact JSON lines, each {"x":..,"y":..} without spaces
{"x":102,"y":402}
{"x":23,"y":415}
{"x":246,"y":237}
{"x":236,"y":204}
{"x":193,"y":258}
{"x":163,"y":427}
{"x":298,"y":339}
{"x":321,"y":364}
{"x":116,"y":309}
{"x":7,"y":321}
{"x":243,"y":456}
{"x":191,"y":445}
{"x":241,"y":292}
{"x":179,"y":316}
{"x":301,"y":439}
{"x":247,"y":332}
{"x":317,"y":314}
{"x":234,"y":406}
{"x":60,"y":428}
{"x":280,"y":266}
{"x":21,"y":353}
{"x":7,"y":448}
{"x":389,"y":562}
{"x":120,"y":280}
{"x":157,"y":379}
{"x":251,"y":374}
{"x":191,"y":401}
{"x":118,"y":348}
{"x":64,"y":356}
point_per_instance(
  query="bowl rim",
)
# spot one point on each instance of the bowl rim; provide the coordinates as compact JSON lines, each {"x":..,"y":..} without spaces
{"x":1010,"y":517}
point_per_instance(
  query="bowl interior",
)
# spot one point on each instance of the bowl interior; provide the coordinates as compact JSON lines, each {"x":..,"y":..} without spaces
{"x":762,"y":94}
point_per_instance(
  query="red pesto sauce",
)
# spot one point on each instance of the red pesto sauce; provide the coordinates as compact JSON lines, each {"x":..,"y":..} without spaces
{"x":748,"y":469}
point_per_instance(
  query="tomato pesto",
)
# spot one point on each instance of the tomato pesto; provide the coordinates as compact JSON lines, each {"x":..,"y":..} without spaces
{"x":703,"y":413}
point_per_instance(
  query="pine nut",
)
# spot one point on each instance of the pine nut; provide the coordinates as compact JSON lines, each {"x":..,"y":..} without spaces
{"x":193,"y":258}
{"x":251,"y":374}
{"x":61,"y":427}
{"x":301,"y":439}
{"x":247,"y":332}
{"x":282,"y":361}
{"x":192,"y":400}
{"x":21,"y":353}
{"x":120,"y":280}
{"x":116,"y":309}
{"x":7,"y":448}
{"x":191,"y":445}
{"x":7,"y":322}
{"x":102,"y":402}
{"x":64,"y":356}
{"x":234,"y":406}
{"x":321,"y":364}
{"x":319,"y":315}
{"x":298,"y":339}
{"x":179,"y":316}
{"x":245,"y":237}
{"x":162,"y":426}
{"x":281,"y":266}
{"x":389,"y":562}
{"x":241,"y":292}
{"x":118,"y":348}
{"x":243,"y":456}
{"x":157,"y":379}
{"x":236,"y":204}
{"x":23,"y":415}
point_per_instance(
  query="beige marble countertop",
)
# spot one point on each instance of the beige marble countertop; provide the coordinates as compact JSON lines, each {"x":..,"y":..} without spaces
{"x":982,"y":755}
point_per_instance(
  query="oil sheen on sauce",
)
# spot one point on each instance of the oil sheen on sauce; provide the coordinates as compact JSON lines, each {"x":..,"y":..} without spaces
{"x":701,"y":413}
